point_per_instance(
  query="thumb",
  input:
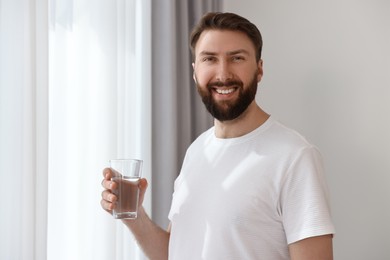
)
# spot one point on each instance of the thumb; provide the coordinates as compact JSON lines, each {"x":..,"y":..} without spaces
{"x":143,"y":185}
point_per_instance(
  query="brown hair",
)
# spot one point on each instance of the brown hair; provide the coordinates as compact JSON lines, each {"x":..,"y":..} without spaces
{"x":227,"y":21}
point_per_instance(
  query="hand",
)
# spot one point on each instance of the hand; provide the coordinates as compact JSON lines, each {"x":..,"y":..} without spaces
{"x":109,"y":199}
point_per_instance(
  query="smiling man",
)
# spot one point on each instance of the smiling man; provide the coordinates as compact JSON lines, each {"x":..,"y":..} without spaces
{"x":249,"y":187}
{"x":226,"y":72}
{"x":222,"y":69}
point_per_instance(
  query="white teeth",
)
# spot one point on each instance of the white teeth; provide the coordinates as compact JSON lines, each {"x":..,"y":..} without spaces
{"x":225,"y":91}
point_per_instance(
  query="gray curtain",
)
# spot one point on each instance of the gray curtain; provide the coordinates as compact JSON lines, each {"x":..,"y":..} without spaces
{"x":178,"y":113}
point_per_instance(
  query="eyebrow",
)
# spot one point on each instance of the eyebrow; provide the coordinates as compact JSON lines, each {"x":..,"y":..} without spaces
{"x":207,"y":53}
{"x":229,"y":53}
{"x":240,"y":51}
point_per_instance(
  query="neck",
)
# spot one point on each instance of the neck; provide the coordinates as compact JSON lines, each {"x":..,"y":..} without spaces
{"x":252,"y":118}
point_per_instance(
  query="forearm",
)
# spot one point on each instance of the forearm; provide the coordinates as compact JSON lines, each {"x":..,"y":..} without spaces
{"x":318,"y":248}
{"x":152,"y":239}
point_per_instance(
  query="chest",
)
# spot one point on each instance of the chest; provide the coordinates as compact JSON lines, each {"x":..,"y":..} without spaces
{"x":237,"y":185}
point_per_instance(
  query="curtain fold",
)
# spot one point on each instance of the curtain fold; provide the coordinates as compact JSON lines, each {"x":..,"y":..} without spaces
{"x":23,"y":128}
{"x":178,"y":114}
{"x":74,"y":93}
{"x":99,"y":110}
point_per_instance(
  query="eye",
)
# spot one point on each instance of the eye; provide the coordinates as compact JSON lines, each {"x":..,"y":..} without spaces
{"x":238,"y":58}
{"x":208,"y":59}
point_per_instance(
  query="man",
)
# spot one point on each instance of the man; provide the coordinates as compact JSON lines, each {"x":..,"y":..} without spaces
{"x":249,"y":187}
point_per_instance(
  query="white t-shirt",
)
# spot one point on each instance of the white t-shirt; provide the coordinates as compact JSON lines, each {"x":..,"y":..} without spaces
{"x":248,"y":197}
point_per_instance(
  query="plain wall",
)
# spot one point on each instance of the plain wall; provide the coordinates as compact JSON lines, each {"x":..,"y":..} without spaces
{"x":327,"y":75}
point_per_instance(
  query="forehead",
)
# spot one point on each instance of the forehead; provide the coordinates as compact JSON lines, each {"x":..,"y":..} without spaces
{"x":222,"y":41}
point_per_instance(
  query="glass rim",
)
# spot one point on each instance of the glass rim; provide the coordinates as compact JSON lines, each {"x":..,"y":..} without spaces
{"x":125,"y":160}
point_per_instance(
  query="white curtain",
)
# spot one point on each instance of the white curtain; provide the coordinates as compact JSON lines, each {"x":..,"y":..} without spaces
{"x":23,"y":129}
{"x":74,"y":92}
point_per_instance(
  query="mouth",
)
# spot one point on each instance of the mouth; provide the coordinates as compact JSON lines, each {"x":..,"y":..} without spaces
{"x":225,"y":91}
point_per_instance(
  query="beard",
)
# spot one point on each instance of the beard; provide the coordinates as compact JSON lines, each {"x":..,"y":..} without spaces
{"x":226,"y":110}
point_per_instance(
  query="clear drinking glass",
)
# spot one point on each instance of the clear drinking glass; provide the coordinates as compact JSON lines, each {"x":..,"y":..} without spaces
{"x":127,"y":174}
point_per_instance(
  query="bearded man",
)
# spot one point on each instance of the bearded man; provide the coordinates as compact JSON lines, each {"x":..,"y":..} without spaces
{"x":249,"y":187}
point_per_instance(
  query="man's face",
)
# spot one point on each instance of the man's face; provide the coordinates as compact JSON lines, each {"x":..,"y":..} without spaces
{"x":226,"y":72}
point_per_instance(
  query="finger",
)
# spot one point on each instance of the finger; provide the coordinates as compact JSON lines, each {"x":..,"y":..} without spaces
{"x":109,"y":184}
{"x":109,"y":196}
{"x":107,"y":173}
{"x":107,"y":206}
{"x":143,"y":184}
{"x":108,"y":201}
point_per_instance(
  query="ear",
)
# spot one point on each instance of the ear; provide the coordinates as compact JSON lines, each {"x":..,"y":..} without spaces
{"x":193,"y":73}
{"x":259,"y":70}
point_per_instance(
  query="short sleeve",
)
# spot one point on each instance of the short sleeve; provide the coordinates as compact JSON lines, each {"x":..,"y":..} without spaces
{"x":304,"y":199}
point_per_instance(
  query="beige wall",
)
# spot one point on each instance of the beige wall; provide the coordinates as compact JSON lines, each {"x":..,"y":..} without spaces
{"x":327,"y":74}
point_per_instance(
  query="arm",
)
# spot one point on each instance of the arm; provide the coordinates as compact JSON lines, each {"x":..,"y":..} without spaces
{"x":313,"y":248}
{"x":152,"y":239}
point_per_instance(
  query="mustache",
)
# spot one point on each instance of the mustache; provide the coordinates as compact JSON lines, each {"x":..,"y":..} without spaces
{"x":227,"y":83}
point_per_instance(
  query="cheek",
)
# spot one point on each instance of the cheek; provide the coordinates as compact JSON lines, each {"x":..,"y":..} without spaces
{"x":202,"y":76}
{"x":249,"y":74}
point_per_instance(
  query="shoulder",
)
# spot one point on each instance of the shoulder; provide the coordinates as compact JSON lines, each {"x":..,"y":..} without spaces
{"x":287,"y":135}
{"x":285,"y":140}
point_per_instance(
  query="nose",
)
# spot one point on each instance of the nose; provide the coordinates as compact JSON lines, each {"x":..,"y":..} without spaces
{"x":223,"y":73}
